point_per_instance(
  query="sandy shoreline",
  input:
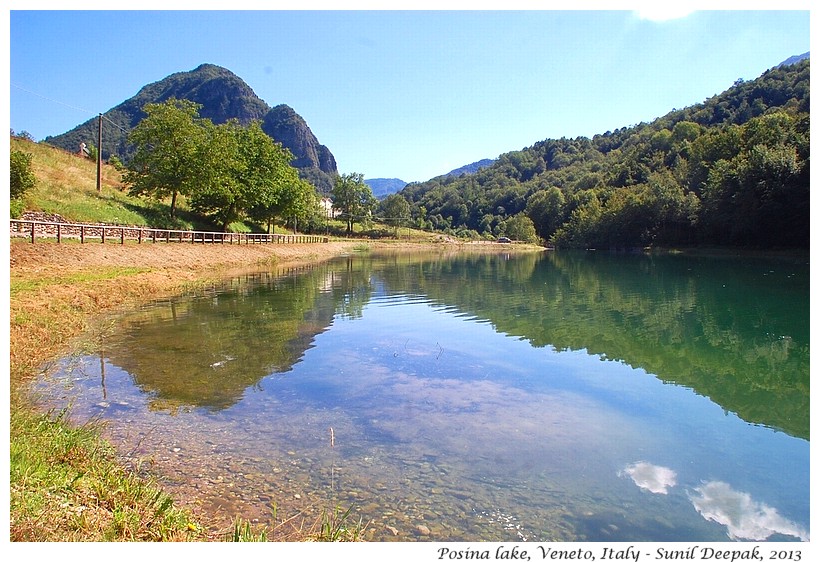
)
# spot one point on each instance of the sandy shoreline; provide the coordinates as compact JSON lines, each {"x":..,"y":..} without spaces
{"x":51,"y":258}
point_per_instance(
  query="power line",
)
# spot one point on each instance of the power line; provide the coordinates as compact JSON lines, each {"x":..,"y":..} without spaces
{"x":69,"y":105}
{"x":52,"y":100}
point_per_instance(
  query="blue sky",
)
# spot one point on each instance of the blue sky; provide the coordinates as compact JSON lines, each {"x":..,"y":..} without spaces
{"x":406,"y":94}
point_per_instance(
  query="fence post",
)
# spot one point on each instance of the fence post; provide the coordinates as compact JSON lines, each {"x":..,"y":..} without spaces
{"x":122,"y":236}
{"x":32,"y":233}
{"x":82,"y":234}
{"x":59,"y":233}
{"x":103,"y":235}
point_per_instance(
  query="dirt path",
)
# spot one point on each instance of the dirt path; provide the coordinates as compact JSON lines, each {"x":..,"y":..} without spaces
{"x":50,"y":258}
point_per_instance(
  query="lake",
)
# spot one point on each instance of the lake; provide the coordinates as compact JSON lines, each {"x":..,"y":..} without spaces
{"x":471,"y":397}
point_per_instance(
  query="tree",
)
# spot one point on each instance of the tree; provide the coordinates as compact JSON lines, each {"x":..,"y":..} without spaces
{"x":395,"y":210}
{"x":220,"y":192}
{"x":546,"y":208}
{"x":270,"y":171}
{"x":298,"y":202}
{"x":22,"y":177}
{"x":352,"y":198}
{"x":168,"y":145}
{"x":519,"y":227}
{"x":243,"y":172}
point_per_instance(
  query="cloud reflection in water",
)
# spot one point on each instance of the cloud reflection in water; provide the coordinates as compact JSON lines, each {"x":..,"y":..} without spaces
{"x":651,"y":477}
{"x":743,"y":517}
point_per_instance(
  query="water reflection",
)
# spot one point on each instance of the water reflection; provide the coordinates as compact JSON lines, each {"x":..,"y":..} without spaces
{"x":650,"y":477}
{"x":729,"y":330}
{"x":733,"y":329}
{"x":207,"y":351}
{"x":743,"y":517}
{"x":477,"y":397}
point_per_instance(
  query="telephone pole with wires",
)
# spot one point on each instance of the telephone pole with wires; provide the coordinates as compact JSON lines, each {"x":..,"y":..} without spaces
{"x":99,"y":153}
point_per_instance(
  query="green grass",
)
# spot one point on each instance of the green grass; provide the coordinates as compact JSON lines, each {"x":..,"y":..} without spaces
{"x":334,"y":525}
{"x":337,"y":526}
{"x":67,"y":186}
{"x":66,"y":484}
{"x":17,"y":286}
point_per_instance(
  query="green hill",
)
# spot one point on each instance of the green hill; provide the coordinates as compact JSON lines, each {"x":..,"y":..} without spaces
{"x":223,"y":96}
{"x":731,"y":171}
{"x":66,"y":186}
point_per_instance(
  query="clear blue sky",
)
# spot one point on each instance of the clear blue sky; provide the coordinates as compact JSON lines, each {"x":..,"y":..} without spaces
{"x":406,"y":94}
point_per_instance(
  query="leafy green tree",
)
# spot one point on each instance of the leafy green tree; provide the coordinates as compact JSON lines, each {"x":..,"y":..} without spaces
{"x":220,"y":192}
{"x":299,"y":203}
{"x":22,"y":176}
{"x":168,"y":144}
{"x":244,"y":173}
{"x":270,"y":173}
{"x":115,"y":161}
{"x":519,"y":227}
{"x":93,"y":153}
{"x":395,"y":210}
{"x":353,"y":198}
{"x":546,"y":209}
{"x":581,"y":230}
{"x":311,"y":217}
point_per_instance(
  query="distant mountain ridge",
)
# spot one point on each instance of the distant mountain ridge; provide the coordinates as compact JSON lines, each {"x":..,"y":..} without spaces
{"x":223,"y":96}
{"x":471,"y":168}
{"x":382,"y":187}
{"x":793,"y":60}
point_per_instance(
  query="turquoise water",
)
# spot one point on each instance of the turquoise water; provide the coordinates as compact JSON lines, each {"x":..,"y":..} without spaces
{"x":566,"y":397}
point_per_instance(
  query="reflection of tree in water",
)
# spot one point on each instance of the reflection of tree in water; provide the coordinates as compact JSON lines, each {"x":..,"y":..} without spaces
{"x":736,"y":330}
{"x":206,"y":351}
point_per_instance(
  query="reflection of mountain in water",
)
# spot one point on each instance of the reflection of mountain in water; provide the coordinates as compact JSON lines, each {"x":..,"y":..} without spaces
{"x":735,"y":330}
{"x":206,"y":351}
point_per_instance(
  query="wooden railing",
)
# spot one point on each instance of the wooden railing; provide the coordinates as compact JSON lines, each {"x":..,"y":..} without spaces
{"x":84,"y":232}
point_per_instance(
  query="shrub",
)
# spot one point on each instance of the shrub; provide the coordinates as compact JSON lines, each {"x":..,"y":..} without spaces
{"x":16,"y":207}
{"x":22,"y":177}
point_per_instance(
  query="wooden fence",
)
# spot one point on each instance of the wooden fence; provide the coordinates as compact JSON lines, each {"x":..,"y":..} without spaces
{"x":119,"y":234}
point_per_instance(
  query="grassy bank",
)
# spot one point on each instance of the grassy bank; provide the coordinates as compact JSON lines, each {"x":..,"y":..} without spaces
{"x":66,"y":483}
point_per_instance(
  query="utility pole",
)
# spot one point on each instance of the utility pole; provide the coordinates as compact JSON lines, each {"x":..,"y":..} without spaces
{"x":99,"y":153}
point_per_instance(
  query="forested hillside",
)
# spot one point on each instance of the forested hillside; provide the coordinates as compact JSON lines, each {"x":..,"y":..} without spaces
{"x":733,"y":170}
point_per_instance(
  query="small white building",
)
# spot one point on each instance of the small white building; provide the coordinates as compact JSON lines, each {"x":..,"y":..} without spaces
{"x":326,"y":203}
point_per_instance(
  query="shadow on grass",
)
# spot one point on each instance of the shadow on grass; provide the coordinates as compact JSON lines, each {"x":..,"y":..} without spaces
{"x":158,"y":215}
